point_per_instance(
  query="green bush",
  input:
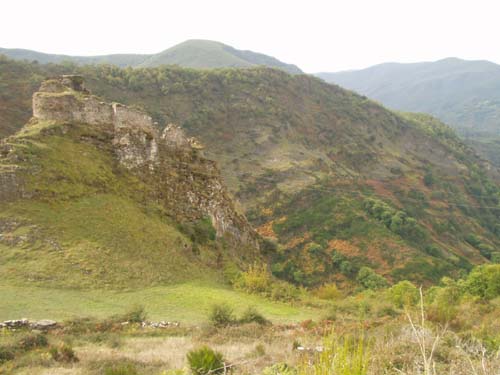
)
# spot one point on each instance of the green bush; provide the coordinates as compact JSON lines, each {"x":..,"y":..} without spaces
{"x":368,"y":279}
{"x":283,"y":291}
{"x":256,"y":279}
{"x":205,"y":361}
{"x":279,"y":369}
{"x":136,"y":314}
{"x":251,"y":315}
{"x":404,"y":293}
{"x":221,"y":315}
{"x":121,"y":369}
{"x":484,"y":281}
{"x":328,"y":292}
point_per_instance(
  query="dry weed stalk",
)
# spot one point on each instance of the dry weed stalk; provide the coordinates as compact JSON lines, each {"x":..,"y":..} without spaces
{"x":429,"y":366}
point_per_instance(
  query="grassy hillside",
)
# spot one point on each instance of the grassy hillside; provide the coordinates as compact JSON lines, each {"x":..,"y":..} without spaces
{"x":336,"y":181}
{"x":87,"y":222}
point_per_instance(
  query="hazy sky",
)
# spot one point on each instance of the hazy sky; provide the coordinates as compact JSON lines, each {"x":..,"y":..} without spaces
{"x":316,"y":35}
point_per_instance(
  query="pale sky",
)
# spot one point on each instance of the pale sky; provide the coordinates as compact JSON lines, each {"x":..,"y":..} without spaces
{"x":327,"y":35}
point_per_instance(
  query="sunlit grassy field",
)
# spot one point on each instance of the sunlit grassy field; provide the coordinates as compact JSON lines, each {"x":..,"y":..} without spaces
{"x":188,"y":303}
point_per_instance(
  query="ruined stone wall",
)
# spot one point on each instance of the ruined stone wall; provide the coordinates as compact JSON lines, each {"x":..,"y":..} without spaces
{"x":185,"y":183}
{"x":67,"y":107}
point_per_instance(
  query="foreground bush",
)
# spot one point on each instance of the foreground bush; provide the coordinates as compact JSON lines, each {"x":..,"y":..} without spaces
{"x":205,"y":361}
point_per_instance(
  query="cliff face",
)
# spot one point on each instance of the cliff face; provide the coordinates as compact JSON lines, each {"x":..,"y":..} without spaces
{"x":183,"y":182}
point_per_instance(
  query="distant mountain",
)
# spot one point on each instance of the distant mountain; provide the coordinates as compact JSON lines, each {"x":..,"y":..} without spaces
{"x":190,"y":54}
{"x":121,"y":60}
{"x":210,"y":54}
{"x":464,"y":94}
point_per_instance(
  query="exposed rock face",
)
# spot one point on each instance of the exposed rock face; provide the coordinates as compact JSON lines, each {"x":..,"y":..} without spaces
{"x":182,"y":180}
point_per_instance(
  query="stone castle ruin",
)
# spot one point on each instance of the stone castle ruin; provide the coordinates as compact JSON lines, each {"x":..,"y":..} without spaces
{"x":188,"y":185}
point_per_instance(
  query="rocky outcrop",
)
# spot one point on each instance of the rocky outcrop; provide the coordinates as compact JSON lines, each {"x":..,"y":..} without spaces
{"x":188,"y":185}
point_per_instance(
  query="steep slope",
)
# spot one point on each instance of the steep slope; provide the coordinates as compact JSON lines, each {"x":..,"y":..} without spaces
{"x":464,"y":94}
{"x":91,"y":194}
{"x":191,"y":54}
{"x":332,"y":177}
{"x":336,"y":180}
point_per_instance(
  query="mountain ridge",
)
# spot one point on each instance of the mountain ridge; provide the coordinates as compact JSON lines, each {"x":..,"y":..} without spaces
{"x":194,"y":53}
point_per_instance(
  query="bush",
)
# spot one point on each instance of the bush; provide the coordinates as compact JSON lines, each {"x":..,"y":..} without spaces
{"x":32,"y":341}
{"x":121,"y":369}
{"x":6,"y":354}
{"x":251,"y":315}
{"x":136,"y":314}
{"x":283,"y":291}
{"x":204,"y":361}
{"x":257,"y":279}
{"x":221,"y":315}
{"x":368,"y":279}
{"x":404,"y":293}
{"x":279,"y":369}
{"x":328,"y":292}
{"x":484,"y":281}
{"x":63,"y":353}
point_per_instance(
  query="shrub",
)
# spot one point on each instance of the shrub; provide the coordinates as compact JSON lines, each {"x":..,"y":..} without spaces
{"x":404,"y":293}
{"x":283,"y":291}
{"x":221,"y":315}
{"x":251,"y":315}
{"x":63,"y":353}
{"x":32,"y":341}
{"x":279,"y":369}
{"x":484,"y":281}
{"x":121,"y":369}
{"x":256,"y":279}
{"x":6,"y":354}
{"x":368,"y":279}
{"x":328,"y":291}
{"x":136,"y":314}
{"x":204,"y":361}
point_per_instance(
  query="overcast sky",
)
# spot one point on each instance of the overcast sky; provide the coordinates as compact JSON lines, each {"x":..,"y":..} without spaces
{"x":327,"y":35}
